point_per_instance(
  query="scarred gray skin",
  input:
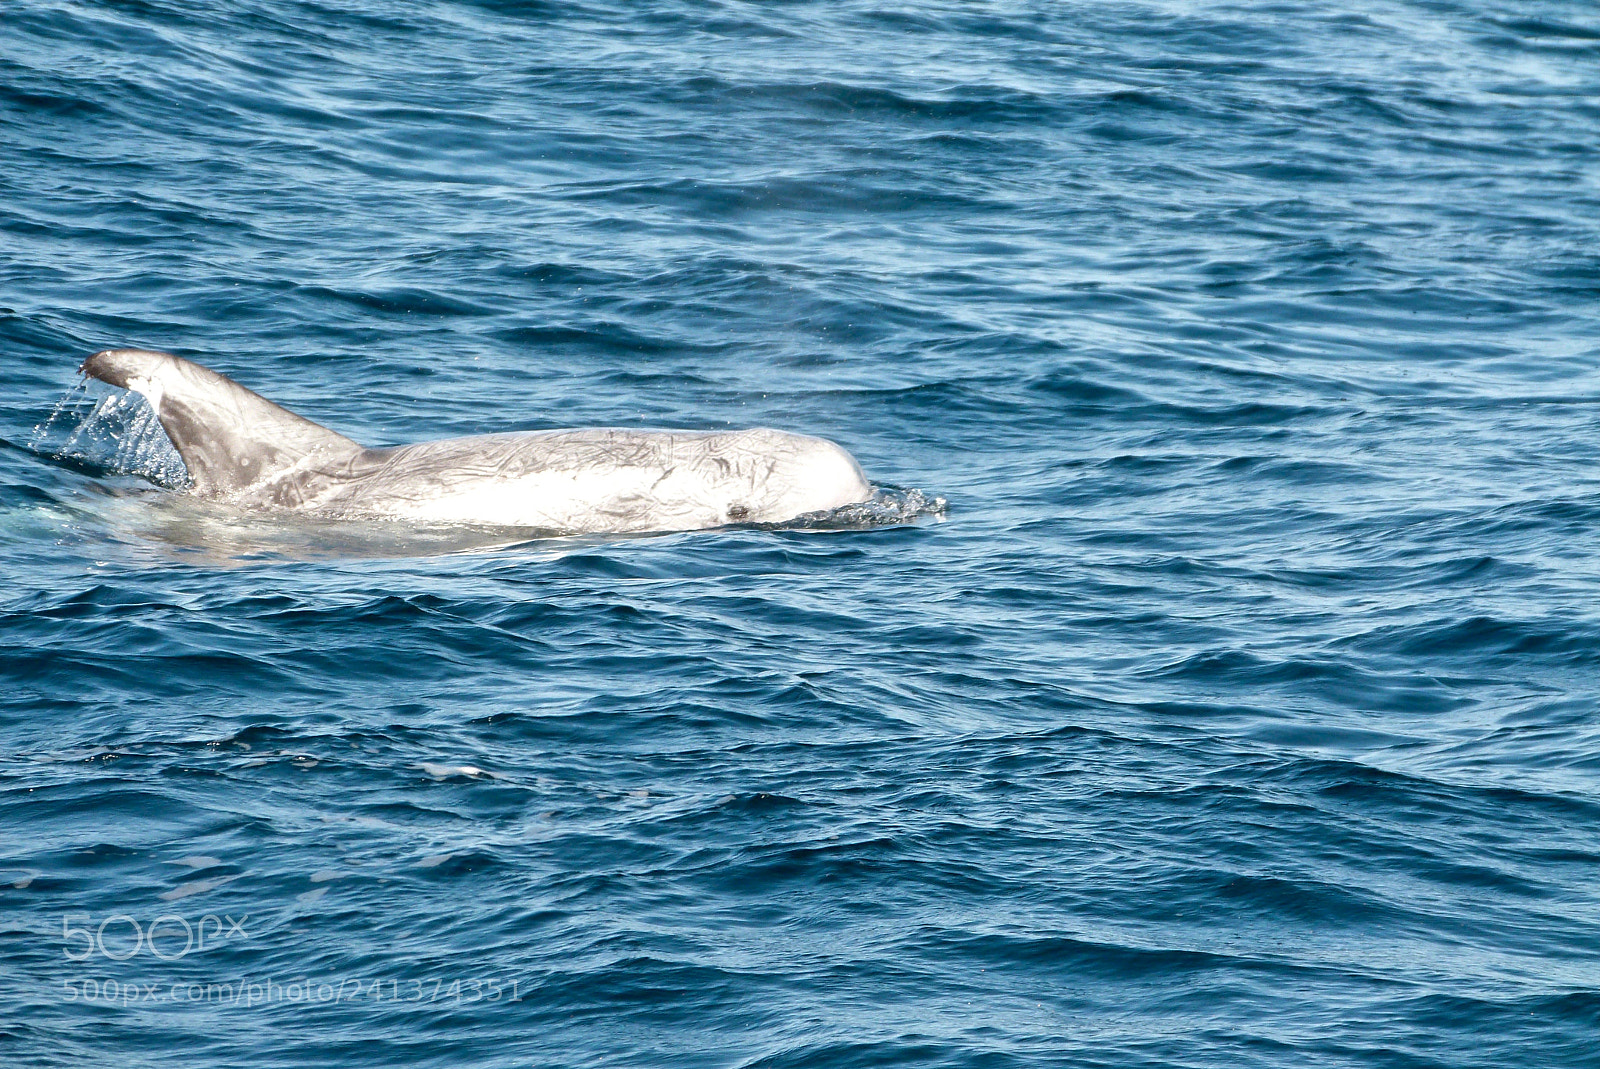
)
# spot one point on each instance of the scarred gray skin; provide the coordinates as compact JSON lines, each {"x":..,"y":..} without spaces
{"x":239,"y":446}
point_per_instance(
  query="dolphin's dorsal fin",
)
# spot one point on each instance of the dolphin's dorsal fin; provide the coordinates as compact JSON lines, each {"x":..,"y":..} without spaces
{"x":229,"y":437}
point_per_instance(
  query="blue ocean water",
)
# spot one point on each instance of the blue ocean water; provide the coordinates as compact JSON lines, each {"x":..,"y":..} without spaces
{"x":1243,"y":709}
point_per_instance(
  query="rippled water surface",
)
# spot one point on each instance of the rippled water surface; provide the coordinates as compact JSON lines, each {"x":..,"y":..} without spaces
{"x":1240,"y":711}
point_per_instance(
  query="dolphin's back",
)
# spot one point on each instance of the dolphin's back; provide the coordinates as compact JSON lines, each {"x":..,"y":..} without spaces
{"x":602,"y":479}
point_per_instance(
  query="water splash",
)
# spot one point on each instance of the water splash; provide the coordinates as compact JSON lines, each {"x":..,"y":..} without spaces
{"x":888,"y":506}
{"x":117,"y":432}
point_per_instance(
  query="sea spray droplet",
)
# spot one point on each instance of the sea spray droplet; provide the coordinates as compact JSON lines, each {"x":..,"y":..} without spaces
{"x":120,"y":432}
{"x":73,"y":398}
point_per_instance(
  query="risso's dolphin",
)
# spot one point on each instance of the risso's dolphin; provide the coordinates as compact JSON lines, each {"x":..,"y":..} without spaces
{"x":239,"y":446}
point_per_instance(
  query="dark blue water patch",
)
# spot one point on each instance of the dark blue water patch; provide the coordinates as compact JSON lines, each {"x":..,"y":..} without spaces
{"x":1479,"y":637}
